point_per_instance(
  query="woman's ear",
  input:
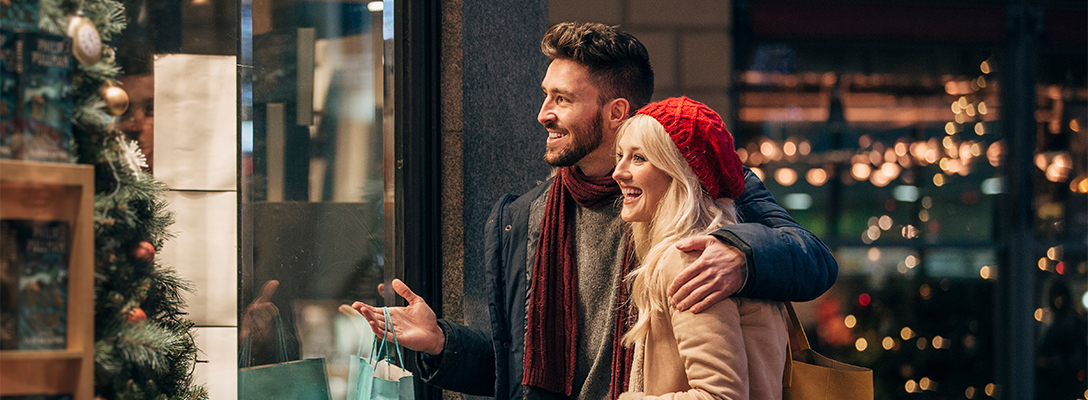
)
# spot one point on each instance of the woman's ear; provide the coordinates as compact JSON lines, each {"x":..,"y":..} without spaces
{"x":618,"y":110}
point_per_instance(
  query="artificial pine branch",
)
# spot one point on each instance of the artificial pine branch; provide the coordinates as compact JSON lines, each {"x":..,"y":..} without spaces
{"x":147,"y":354}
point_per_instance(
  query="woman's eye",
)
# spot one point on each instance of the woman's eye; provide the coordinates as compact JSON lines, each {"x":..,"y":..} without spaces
{"x":638,"y":158}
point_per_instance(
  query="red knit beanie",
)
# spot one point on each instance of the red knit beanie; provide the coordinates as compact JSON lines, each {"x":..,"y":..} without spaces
{"x":700,"y":135}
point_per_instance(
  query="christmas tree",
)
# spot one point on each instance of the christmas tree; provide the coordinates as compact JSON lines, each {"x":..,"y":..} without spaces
{"x":144,"y":348}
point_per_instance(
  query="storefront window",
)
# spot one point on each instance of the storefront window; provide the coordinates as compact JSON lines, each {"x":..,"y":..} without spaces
{"x":888,"y":143}
{"x":316,"y":125}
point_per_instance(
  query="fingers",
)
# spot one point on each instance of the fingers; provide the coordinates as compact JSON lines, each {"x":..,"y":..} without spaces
{"x":267,"y":291}
{"x":695,"y":243}
{"x":405,"y":292}
{"x":681,"y":284}
{"x":695,"y":295}
{"x":708,"y":301}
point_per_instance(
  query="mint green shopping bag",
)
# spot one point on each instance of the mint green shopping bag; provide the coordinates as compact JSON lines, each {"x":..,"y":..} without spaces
{"x":379,"y":379}
{"x":288,"y":380}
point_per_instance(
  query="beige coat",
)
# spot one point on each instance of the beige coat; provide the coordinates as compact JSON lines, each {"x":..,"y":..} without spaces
{"x":736,"y":349}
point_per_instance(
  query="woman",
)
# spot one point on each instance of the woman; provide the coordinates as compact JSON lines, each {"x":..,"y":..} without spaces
{"x":679,"y":175}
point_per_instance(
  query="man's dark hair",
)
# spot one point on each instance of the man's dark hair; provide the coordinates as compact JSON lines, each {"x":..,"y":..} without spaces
{"x":618,"y":63}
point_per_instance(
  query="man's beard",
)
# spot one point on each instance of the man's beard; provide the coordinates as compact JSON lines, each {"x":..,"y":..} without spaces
{"x":584,"y":140}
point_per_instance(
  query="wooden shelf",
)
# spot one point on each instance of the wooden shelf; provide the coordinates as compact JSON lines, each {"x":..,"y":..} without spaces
{"x":55,"y":192}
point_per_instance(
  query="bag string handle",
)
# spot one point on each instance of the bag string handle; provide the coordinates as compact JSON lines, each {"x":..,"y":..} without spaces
{"x":381,"y":347}
{"x":247,"y":345}
{"x":796,"y":332}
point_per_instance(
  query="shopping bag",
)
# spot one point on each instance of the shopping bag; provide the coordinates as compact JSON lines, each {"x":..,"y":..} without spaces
{"x":811,"y":376}
{"x":379,"y":379}
{"x":288,"y":380}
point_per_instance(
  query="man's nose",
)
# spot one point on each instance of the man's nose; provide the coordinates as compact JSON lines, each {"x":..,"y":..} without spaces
{"x":546,"y":114}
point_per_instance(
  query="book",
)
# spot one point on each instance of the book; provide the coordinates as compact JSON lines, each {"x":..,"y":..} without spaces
{"x":10,"y":49}
{"x":37,"y":95}
{"x":33,"y":284}
{"x":19,"y":15}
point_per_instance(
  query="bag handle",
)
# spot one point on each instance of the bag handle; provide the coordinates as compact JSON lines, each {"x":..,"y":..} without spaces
{"x":381,"y":347}
{"x":247,"y":344}
{"x":796,"y":332}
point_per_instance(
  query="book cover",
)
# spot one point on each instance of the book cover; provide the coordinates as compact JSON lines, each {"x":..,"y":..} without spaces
{"x":19,"y":14}
{"x":43,"y":109}
{"x":34,"y":284}
{"x":10,"y":65}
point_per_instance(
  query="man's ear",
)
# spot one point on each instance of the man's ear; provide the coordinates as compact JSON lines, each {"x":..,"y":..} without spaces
{"x":618,"y":110}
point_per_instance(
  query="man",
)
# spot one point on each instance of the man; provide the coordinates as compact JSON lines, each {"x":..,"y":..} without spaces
{"x":557,"y":254}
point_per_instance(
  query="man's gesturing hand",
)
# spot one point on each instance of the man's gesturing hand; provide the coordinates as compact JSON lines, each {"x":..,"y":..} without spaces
{"x":717,"y":274}
{"x":415,"y":325}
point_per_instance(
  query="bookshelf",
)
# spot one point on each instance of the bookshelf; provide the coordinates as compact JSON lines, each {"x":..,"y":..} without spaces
{"x":61,"y":194}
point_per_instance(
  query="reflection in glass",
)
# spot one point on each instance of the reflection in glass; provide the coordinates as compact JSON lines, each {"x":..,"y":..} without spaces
{"x":313,"y":226}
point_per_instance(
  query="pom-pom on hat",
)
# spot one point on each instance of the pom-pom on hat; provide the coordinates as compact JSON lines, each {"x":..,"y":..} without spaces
{"x":700,"y":135}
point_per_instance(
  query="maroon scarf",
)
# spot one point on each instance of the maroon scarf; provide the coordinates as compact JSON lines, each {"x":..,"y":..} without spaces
{"x":551,"y":341}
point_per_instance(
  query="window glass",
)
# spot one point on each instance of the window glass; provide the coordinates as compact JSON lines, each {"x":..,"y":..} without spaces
{"x":313,"y":219}
{"x":892,"y":153}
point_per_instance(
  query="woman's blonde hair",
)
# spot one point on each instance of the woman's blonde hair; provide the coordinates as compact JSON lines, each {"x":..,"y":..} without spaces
{"x":684,"y":210}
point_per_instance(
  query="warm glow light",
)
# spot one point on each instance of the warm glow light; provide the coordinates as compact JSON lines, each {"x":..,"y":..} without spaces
{"x":888,"y":343}
{"x":885,"y":222}
{"x":956,"y":107}
{"x":767,"y":148}
{"x":910,"y":386}
{"x":939,"y":342}
{"x":906,"y":333}
{"x":981,"y":82}
{"x":375,"y":6}
{"x":925,"y":291}
{"x":910,"y":232}
{"x":922,"y":343}
{"x":924,"y":383}
{"x":1056,"y":172}
{"x":979,"y":129}
{"x":1079,"y":185}
{"x":816,"y":176}
{"x":850,"y":321}
{"x":874,"y":253}
{"x":948,"y":142}
{"x":995,"y":153}
{"x":982,"y":109}
{"x":790,"y":148}
{"x":938,"y":180}
{"x":960,"y":118}
{"x":927,"y":202}
{"x":950,"y":128}
{"x":1041,"y":162}
{"x":1074,"y":125}
{"x":931,"y":155}
{"x":804,"y":148}
{"x":1042,"y":264}
{"x":990,"y":389}
{"x":923,"y":215}
{"x":743,"y":154}
{"x":861,"y":171}
{"x":873,"y":233}
{"x":1039,"y":314}
{"x":890,"y":169}
{"x":861,"y":344}
{"x":1054,"y":253}
{"x":970,"y":110}
{"x":985,"y":68}
{"x":785,"y":176}
{"x":970,"y":392}
{"x":759,"y":173}
{"x":911,"y":261}
{"x":984,"y":272}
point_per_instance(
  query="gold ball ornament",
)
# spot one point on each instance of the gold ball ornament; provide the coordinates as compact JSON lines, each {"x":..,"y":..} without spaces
{"x":116,"y":100}
{"x":86,"y":42}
